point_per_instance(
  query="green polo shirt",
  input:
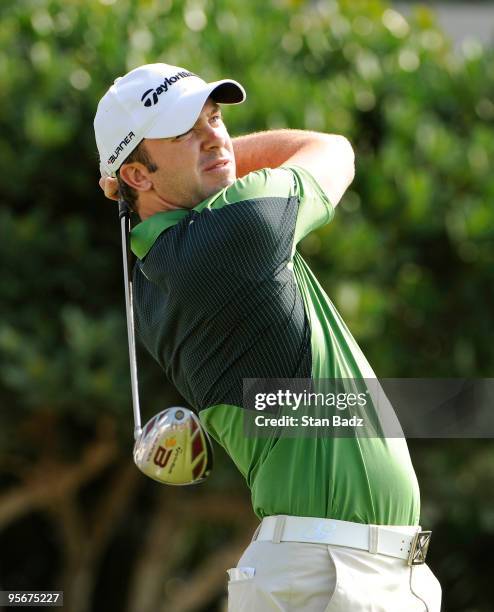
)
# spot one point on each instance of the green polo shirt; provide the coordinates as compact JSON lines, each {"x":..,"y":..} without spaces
{"x":221,"y":295}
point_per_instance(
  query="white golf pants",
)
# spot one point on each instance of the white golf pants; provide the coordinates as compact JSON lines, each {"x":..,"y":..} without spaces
{"x":293,"y":576}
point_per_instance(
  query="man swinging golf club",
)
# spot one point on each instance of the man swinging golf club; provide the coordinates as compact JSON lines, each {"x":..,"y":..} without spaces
{"x":221,"y":294}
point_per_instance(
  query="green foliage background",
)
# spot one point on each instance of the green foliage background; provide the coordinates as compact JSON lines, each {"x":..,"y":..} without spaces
{"x":409,"y":259}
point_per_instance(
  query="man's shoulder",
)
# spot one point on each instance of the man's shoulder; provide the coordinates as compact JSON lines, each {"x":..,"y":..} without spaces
{"x":263,"y":183}
{"x":284,"y":182}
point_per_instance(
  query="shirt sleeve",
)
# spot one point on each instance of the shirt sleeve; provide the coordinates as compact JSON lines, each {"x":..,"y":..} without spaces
{"x":264,"y":183}
{"x":315,"y":209}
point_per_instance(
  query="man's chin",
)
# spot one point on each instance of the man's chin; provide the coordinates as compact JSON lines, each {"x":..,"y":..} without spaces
{"x":218,"y":186}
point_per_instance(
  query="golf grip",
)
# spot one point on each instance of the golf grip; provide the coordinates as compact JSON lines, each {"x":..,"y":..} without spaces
{"x":124,"y":216}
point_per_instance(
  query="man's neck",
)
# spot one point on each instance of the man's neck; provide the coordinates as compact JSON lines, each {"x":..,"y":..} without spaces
{"x":149,"y":207}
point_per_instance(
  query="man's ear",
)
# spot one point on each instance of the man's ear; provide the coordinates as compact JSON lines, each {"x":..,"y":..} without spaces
{"x":137,"y":176}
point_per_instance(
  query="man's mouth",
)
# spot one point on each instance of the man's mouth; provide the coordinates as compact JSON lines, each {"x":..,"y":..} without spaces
{"x":218,"y":164}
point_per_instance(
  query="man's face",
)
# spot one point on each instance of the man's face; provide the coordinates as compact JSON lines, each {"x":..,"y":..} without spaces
{"x":193,"y":166}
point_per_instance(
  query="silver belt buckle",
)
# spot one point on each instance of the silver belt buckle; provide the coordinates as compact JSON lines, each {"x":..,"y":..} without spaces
{"x":419,"y":548}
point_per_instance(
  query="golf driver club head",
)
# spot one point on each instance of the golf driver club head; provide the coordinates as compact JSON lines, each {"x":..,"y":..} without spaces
{"x":174,"y":449}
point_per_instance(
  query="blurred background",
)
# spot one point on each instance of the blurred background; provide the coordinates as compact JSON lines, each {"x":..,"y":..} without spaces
{"x":408,"y":260}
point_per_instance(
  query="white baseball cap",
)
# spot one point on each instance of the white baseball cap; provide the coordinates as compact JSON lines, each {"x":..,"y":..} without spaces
{"x":153,"y":101}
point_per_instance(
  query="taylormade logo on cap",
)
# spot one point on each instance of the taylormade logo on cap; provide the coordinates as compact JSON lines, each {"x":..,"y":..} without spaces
{"x":150,"y":96}
{"x":153,"y":101}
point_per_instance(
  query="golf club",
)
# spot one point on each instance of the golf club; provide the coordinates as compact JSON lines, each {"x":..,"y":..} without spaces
{"x":172,"y":448}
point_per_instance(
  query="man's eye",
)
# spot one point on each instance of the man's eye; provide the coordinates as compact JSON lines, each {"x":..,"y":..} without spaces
{"x":216,"y":118}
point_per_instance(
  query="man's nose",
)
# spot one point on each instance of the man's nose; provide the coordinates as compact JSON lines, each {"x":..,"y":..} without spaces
{"x":213,"y":137}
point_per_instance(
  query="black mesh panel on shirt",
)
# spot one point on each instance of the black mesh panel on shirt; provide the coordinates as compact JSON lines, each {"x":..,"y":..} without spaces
{"x":215,"y":301}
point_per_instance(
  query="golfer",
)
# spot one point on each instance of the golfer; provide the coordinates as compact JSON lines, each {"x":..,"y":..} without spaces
{"x":221,"y":294}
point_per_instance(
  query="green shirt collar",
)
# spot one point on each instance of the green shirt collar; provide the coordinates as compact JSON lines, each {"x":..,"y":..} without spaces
{"x":145,"y":234}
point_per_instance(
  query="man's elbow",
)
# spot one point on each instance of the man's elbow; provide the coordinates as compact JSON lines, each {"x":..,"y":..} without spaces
{"x":342,"y":148}
{"x":340,"y":166}
{"x":350,"y":155}
{"x":349,"y":152}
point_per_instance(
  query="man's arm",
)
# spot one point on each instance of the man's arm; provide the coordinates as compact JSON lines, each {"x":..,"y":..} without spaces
{"x":328,"y":157}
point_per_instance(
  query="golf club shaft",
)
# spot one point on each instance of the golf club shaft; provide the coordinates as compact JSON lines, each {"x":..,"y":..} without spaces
{"x":124,"y":214}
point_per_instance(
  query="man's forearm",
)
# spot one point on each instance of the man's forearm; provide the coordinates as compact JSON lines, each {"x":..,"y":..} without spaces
{"x":270,"y":149}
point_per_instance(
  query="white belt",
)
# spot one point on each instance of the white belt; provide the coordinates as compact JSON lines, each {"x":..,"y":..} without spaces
{"x":405,"y":542}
